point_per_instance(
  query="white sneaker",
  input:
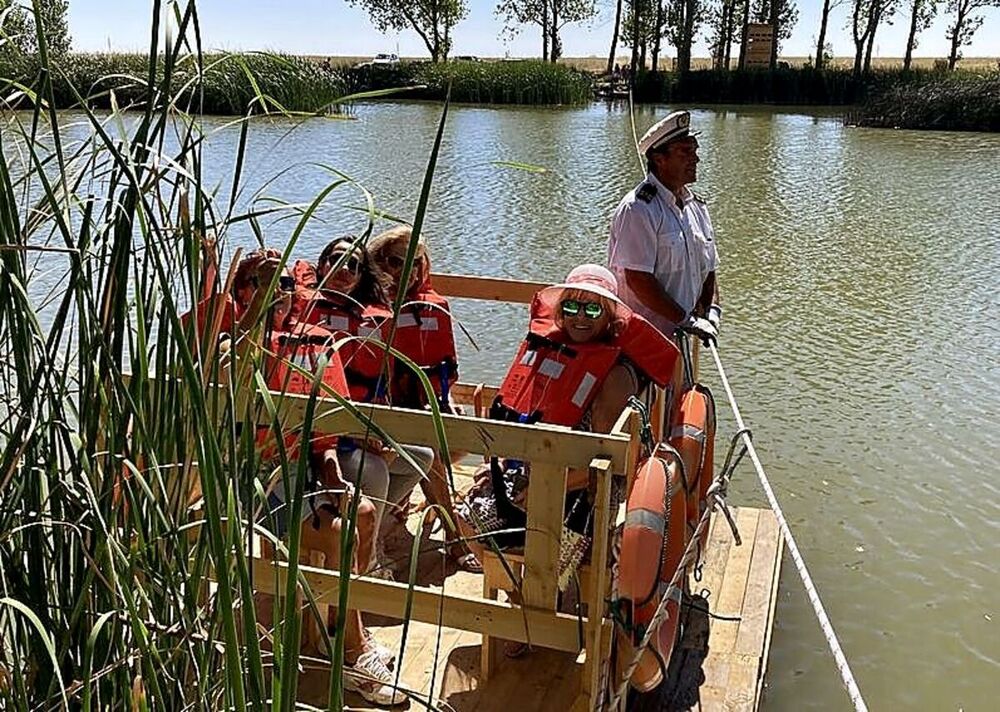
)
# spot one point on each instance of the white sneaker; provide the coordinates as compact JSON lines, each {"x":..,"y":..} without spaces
{"x":387,"y":656}
{"x":370,"y":678}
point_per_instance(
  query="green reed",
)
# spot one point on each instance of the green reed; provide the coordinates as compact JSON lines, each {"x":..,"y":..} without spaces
{"x":957,"y":101}
{"x":109,"y":418}
{"x":507,"y":82}
{"x":217,"y":83}
{"x":919,"y":98}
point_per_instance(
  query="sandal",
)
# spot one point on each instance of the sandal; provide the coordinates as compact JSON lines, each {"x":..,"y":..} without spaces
{"x":465,"y":560}
{"x":514,"y":649}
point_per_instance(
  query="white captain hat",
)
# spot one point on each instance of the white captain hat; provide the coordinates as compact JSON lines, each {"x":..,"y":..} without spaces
{"x":675,"y":126}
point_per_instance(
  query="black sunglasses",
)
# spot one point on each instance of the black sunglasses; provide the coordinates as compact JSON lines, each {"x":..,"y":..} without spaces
{"x":351,"y":264}
{"x":572,"y":307}
{"x":395,"y":261}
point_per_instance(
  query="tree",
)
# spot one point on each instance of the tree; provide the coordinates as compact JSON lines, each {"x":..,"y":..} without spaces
{"x":684,"y":17}
{"x":922,"y":13}
{"x":16,"y":30}
{"x":550,"y":15}
{"x":722,"y":20}
{"x":865,"y":19}
{"x":55,"y":23}
{"x":19,"y":27}
{"x":614,"y":37}
{"x":640,"y":28}
{"x":431,"y":19}
{"x":966,"y":24}
{"x":743,"y":33}
{"x":821,"y":43}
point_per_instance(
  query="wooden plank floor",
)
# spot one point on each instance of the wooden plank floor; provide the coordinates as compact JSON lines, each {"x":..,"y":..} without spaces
{"x":720,"y":670}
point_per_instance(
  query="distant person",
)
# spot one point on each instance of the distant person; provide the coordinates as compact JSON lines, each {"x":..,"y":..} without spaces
{"x":662,"y":246}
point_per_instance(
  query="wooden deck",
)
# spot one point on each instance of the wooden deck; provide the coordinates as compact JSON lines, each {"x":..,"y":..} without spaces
{"x":722,"y":670}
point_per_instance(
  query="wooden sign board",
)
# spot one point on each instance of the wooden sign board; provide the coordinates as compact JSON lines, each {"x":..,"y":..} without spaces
{"x":760,"y":37}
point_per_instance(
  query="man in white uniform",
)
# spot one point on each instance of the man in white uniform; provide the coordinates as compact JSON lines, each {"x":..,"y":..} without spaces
{"x":662,"y":246}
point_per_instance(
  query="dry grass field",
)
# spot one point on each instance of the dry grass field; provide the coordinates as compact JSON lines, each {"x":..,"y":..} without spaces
{"x":598,"y":64}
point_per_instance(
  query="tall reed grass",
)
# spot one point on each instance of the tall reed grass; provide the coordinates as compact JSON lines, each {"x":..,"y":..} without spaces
{"x":104,"y":562}
{"x":507,"y":82}
{"x":962,"y":101}
{"x":965,"y":99}
{"x":226,"y":84}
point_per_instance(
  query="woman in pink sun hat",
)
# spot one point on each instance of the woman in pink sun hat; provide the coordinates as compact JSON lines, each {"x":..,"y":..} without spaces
{"x":584,"y":354}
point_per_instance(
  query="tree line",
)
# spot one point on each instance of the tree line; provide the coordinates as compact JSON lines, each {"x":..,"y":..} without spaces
{"x":647,"y":26}
{"x":643,"y":26}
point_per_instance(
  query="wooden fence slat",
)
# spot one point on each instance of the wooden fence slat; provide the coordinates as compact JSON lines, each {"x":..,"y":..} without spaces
{"x":546,"y":498}
{"x":548,"y":629}
{"x":489,"y":288}
{"x":535,"y":443}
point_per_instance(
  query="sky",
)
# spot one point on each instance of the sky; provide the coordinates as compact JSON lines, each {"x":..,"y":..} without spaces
{"x":335,"y":27}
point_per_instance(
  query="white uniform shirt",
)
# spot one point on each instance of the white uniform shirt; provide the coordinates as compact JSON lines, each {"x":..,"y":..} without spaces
{"x":651,"y":233}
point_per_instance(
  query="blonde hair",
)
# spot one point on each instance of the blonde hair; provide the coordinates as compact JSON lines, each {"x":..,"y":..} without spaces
{"x":382,"y":245}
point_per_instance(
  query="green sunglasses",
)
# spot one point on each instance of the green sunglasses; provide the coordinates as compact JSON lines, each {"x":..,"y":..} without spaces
{"x":591,"y":310}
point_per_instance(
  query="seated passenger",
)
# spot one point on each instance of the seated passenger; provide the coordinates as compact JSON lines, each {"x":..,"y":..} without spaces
{"x":585,"y":353}
{"x":344,"y":295}
{"x":329,"y":494}
{"x":424,"y":334}
{"x":424,"y":327}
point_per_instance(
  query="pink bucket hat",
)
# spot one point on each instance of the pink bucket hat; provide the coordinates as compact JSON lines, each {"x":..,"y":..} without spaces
{"x":589,"y":278}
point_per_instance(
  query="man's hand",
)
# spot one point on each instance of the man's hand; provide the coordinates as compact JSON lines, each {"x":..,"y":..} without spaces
{"x":701,"y":328}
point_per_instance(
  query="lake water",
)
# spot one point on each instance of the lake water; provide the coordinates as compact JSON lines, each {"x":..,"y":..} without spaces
{"x":859,"y":275}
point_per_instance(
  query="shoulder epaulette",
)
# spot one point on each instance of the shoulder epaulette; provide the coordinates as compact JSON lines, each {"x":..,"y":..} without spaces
{"x":698,"y":198}
{"x":646,"y":192}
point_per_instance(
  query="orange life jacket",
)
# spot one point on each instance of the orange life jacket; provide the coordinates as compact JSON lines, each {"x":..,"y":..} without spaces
{"x":303,"y":346}
{"x":359,"y":333}
{"x":216,"y":306}
{"x":555,"y":381}
{"x":424,"y":335}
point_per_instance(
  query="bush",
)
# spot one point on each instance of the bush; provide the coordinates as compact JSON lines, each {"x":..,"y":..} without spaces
{"x":785,"y":85}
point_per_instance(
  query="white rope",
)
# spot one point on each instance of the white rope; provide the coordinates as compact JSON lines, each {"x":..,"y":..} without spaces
{"x":824,"y":622}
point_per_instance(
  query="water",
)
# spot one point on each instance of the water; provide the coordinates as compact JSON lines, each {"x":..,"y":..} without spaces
{"x":859,"y":275}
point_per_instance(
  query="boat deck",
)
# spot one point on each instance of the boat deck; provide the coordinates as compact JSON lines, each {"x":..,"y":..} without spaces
{"x":718,"y":670}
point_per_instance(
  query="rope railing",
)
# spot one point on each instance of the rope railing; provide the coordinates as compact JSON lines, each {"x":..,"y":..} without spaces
{"x":716,"y":496}
{"x":824,"y":621}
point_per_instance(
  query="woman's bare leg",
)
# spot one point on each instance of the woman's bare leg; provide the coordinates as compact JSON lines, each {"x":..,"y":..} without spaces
{"x":326,"y":538}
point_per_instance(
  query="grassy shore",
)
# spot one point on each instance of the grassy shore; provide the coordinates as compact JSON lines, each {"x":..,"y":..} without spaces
{"x":963,"y":101}
{"x":254,"y":83}
{"x":597,"y":65}
{"x":515,"y":82}
{"x":229,"y":84}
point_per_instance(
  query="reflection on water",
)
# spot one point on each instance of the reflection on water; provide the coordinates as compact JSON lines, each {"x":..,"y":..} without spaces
{"x":859,"y":277}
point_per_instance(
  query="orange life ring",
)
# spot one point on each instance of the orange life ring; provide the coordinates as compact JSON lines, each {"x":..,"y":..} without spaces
{"x":692,"y":434}
{"x":653,"y":542}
